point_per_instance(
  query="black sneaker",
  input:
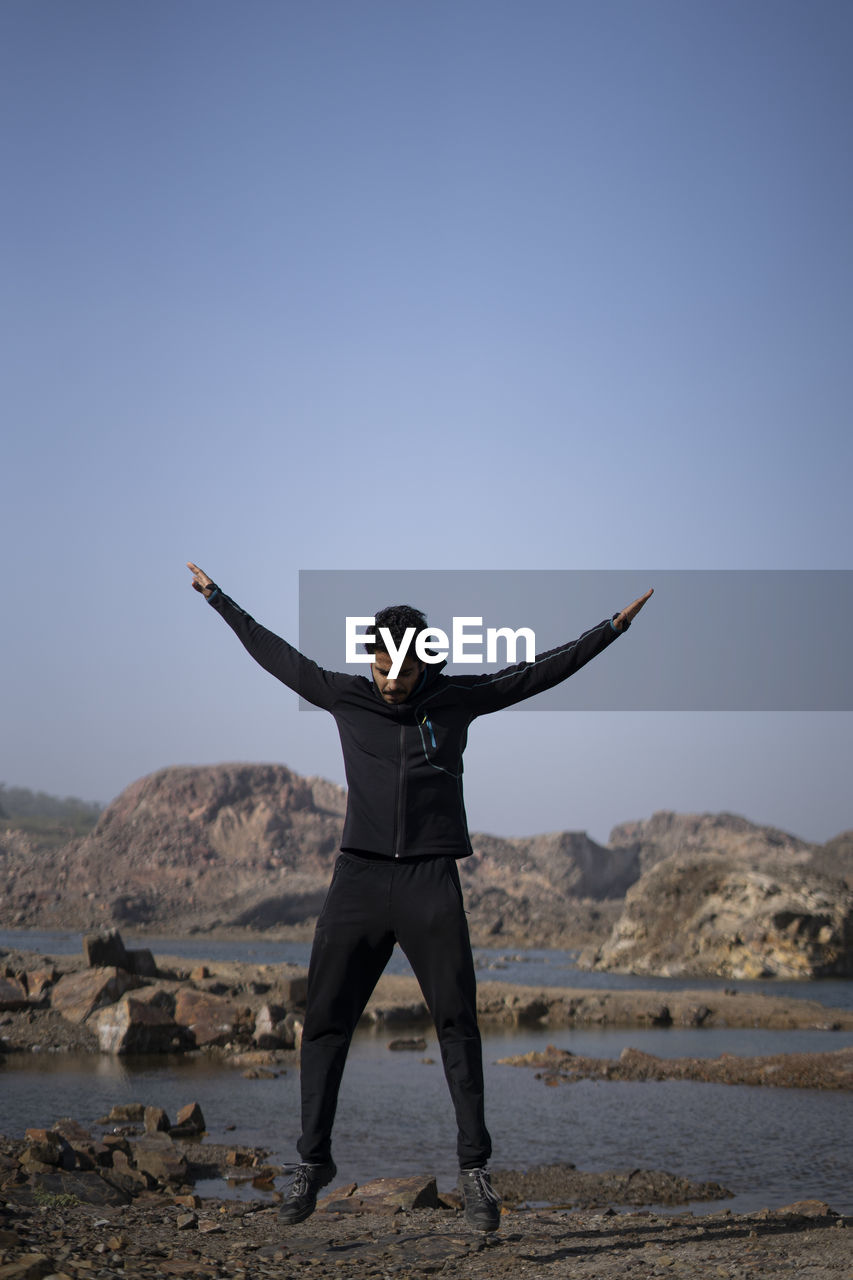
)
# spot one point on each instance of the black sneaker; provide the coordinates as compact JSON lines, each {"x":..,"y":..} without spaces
{"x":482,"y":1202}
{"x":300,"y":1193}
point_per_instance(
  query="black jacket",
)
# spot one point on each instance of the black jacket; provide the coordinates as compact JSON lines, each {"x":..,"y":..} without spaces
{"x":404,"y":763}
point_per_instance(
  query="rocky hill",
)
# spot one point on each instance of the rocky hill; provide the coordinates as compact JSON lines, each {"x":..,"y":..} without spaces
{"x":719,"y":895}
{"x":667,"y":834}
{"x":251,"y":846}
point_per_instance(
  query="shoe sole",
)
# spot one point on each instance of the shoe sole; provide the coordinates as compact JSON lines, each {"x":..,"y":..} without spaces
{"x":290,"y":1219}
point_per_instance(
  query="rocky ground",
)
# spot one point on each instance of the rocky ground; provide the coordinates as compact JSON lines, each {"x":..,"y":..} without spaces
{"x":121,"y":1200}
{"x":156,"y":1237}
{"x":118,"y":1000}
{"x":833,"y":1070}
{"x":138,"y":1218}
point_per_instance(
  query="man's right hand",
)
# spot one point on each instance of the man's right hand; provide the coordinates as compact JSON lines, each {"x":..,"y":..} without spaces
{"x":201,"y":582}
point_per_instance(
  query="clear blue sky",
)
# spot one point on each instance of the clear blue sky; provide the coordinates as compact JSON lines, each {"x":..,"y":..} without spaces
{"x":378,"y":285}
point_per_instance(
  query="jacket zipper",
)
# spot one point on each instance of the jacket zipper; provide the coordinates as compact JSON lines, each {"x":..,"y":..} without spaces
{"x":401,"y":779}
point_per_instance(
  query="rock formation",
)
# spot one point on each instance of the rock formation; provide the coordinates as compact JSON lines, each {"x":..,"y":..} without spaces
{"x":242,"y":846}
{"x":696,"y":914}
{"x":252,"y":846}
{"x":667,"y":834}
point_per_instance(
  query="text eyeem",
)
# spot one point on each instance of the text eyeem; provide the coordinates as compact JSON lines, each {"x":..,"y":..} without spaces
{"x":433,"y":645}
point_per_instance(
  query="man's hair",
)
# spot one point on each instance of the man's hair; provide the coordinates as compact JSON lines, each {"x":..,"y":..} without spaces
{"x":396,"y":618}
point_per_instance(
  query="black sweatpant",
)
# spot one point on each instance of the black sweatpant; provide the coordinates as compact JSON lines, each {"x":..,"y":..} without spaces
{"x":371,"y":904}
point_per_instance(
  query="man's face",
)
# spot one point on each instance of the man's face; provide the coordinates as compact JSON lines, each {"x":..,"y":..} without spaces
{"x":394,"y":691}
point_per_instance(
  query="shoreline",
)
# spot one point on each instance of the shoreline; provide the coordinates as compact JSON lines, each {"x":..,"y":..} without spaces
{"x":58,"y":1004}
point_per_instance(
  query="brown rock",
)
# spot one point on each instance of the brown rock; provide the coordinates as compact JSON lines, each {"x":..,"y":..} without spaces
{"x":136,"y":1026}
{"x":156,"y":1154}
{"x":293,"y":1024}
{"x":386,"y":1015}
{"x":105,"y":950}
{"x":47,"y":1147}
{"x":294,"y":990}
{"x":526,"y":1011}
{"x":156,"y":1120}
{"x":190,"y":1119}
{"x":78,"y":995}
{"x":141,"y":962}
{"x":90,"y":1153}
{"x":32,"y":1266}
{"x":125,"y":1113}
{"x":211,"y":1020}
{"x":129,"y":1179}
{"x":385,"y":1194}
{"x":90,"y":1188}
{"x":40,"y":981}
{"x":807,"y":1209}
{"x":240,"y":1159}
{"x":13,"y":995}
{"x":270,"y":1029}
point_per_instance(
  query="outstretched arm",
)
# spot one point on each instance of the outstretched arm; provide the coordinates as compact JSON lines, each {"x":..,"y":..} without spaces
{"x":624,"y":618}
{"x":275,"y":655}
{"x":525,"y":679}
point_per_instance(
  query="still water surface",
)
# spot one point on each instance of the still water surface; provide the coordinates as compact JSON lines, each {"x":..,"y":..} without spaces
{"x":768,"y":1146}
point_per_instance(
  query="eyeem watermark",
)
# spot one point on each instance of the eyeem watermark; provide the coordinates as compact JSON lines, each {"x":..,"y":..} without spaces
{"x":709,"y":640}
{"x":465,"y":643}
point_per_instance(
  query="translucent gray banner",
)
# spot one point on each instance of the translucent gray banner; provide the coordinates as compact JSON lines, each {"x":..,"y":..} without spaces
{"x":708,"y":640}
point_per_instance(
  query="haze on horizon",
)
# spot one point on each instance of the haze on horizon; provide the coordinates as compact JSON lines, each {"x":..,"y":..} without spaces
{"x":460,"y":286}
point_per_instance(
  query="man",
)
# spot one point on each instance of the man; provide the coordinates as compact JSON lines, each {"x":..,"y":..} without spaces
{"x":396,"y":879}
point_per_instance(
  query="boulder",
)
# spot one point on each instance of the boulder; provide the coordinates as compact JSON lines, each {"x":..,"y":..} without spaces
{"x":388,"y":1015}
{"x":105,"y":950}
{"x":78,"y":995}
{"x":528,"y":1010}
{"x":293,"y":988}
{"x":389,"y":1195}
{"x":90,"y":1153}
{"x":125,"y":1113}
{"x":156,"y":1155}
{"x":271,"y":1031}
{"x":210,"y":1019}
{"x":131,"y":1180}
{"x":156,"y":1120}
{"x":13,"y":995}
{"x":190,"y":1121}
{"x":40,"y":981}
{"x":90,"y":1188}
{"x":136,"y":1026}
{"x":293,"y":1025}
{"x":141,"y":962}
{"x":47,"y":1147}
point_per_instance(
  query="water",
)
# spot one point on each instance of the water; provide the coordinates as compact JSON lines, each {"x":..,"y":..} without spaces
{"x":768,"y":1146}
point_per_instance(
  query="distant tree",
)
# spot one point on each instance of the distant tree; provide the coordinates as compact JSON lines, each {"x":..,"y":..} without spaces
{"x":21,"y":802}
